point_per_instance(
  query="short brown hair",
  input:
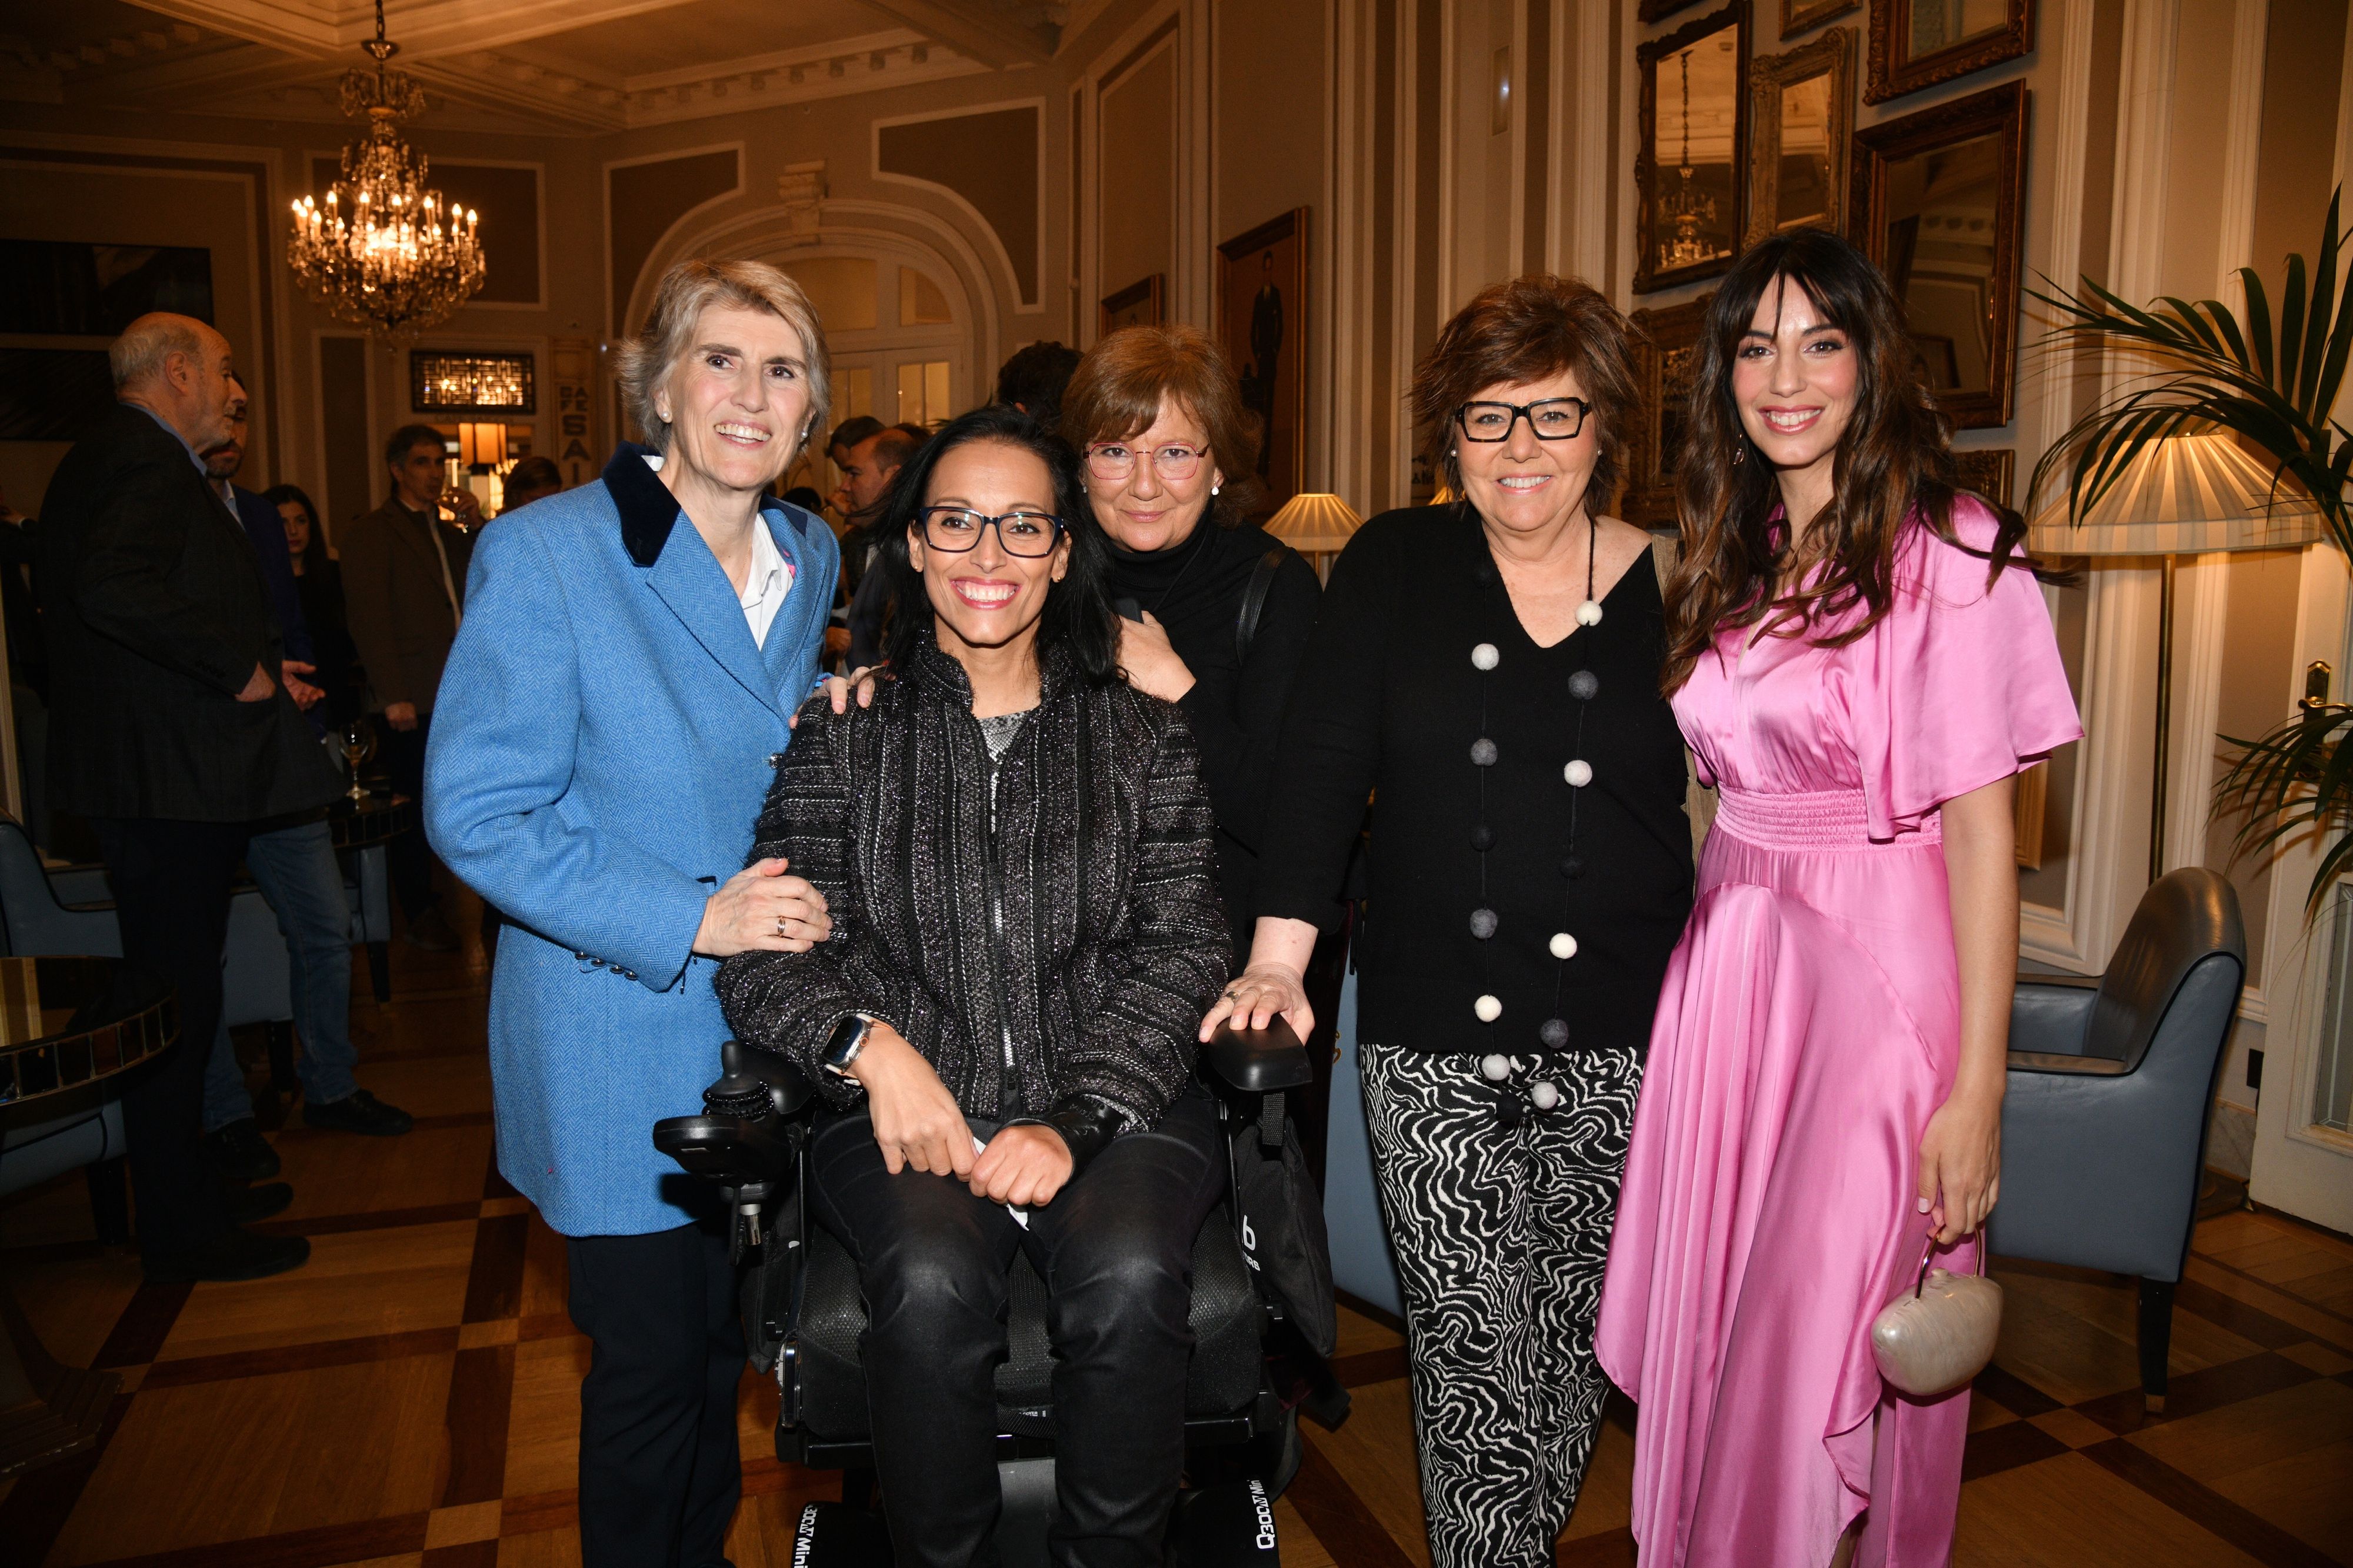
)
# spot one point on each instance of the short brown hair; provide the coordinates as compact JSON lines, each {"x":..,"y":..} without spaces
{"x":1529,"y":328}
{"x":1117,"y":389}
{"x":687,"y":290}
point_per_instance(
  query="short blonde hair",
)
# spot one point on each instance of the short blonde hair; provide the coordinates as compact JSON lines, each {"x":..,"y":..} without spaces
{"x":691,"y":288}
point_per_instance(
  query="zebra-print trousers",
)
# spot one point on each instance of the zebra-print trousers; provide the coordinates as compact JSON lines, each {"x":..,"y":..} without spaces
{"x":1501,"y":1232}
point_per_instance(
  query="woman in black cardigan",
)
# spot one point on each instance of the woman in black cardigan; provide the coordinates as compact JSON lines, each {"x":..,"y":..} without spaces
{"x":1014,"y":846}
{"x":1214,"y":613}
{"x":1489,"y":671}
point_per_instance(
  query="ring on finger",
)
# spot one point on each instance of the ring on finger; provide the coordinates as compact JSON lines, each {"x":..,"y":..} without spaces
{"x":780,"y":925}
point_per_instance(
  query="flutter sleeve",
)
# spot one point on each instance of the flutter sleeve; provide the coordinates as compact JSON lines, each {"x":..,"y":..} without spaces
{"x":1961,"y":685}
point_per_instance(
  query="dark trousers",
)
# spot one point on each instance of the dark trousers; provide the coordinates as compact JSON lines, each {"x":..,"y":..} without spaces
{"x":1115,"y":1250}
{"x":171,"y":883}
{"x":409,"y":860}
{"x":659,"y":1470}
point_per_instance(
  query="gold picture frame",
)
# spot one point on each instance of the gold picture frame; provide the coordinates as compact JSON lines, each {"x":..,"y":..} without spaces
{"x":1666,"y":352}
{"x":1692,"y":144}
{"x":1262,"y":323}
{"x":1936,"y":200}
{"x":1904,"y":61}
{"x":1990,"y":471}
{"x":1797,"y":15}
{"x":1801,"y":124}
{"x":1140,"y":304}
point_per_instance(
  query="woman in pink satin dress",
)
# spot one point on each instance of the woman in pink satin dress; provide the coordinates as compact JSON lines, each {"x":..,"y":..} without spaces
{"x":1862,"y":664}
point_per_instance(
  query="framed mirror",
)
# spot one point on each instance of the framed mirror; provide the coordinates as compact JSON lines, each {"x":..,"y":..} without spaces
{"x":1666,"y":352}
{"x":1919,"y":43}
{"x":1800,"y":116}
{"x":1688,"y":214}
{"x":1937,"y":205}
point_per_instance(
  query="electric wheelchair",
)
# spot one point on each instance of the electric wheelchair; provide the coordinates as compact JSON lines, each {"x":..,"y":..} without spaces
{"x":804,"y":1313}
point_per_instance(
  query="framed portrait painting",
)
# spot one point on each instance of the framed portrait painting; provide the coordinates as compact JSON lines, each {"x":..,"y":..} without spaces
{"x":1262,"y":323}
{"x":1690,"y":195}
{"x":1140,"y":304}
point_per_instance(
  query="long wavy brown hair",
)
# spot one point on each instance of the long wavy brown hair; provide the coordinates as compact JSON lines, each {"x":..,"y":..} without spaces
{"x":1741,"y":566}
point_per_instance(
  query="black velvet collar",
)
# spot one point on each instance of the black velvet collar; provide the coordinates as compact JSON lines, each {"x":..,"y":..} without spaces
{"x":647,"y":509}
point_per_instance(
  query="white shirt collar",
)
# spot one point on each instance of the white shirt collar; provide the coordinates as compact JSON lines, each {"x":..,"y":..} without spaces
{"x":766,"y":583}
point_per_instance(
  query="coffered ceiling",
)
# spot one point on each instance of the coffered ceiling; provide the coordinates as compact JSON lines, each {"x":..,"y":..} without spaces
{"x":567,"y":67}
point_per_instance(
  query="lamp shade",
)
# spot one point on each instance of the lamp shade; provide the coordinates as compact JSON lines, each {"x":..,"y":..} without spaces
{"x":1316,"y":524}
{"x":2185,"y":495}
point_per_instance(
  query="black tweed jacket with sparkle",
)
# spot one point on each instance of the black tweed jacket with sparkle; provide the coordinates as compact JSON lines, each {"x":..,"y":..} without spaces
{"x":1085,"y":932}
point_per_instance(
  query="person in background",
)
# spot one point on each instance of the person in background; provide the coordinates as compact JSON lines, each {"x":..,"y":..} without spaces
{"x":292,"y":861}
{"x":633,"y":654}
{"x":866,"y":480}
{"x":173,"y":733}
{"x":1488,"y":671}
{"x":29,"y":662}
{"x":405,"y":580}
{"x":838,"y":447}
{"x":319,"y":587}
{"x":1214,"y":613}
{"x":1033,"y":380}
{"x":530,"y":479}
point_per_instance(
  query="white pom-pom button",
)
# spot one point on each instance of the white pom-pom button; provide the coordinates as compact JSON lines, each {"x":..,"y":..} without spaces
{"x":1544,"y":1094}
{"x":1589,"y":613}
{"x":1578,"y":773}
{"x":1488,"y":1008}
{"x":1564,"y":946}
{"x":1494,"y":1070}
{"x":1485,"y":657}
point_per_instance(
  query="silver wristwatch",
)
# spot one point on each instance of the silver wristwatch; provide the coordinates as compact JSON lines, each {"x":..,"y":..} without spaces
{"x":848,"y":1039}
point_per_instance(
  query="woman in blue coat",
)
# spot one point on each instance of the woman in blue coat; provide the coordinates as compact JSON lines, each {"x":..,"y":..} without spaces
{"x":631,"y":658}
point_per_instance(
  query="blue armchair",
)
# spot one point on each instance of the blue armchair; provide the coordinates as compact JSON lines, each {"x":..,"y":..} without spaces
{"x":2111,"y":1082}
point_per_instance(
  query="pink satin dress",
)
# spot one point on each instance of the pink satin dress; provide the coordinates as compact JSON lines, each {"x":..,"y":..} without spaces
{"x":1809,"y":1025}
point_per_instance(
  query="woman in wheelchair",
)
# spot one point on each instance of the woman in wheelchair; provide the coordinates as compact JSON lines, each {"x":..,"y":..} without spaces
{"x":1015,"y":845}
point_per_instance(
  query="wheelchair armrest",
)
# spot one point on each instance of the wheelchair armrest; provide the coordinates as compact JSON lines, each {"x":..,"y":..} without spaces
{"x":731,"y":1151}
{"x":791,"y":1091}
{"x":1259,"y":1061}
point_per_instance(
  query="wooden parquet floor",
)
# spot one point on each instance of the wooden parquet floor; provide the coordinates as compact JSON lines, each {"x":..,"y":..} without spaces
{"x":409,"y":1399}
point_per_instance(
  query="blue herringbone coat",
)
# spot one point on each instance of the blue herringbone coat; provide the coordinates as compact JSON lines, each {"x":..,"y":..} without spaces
{"x":601,"y":742}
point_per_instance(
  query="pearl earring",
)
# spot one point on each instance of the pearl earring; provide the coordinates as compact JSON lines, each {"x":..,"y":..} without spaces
{"x":1215,"y":489}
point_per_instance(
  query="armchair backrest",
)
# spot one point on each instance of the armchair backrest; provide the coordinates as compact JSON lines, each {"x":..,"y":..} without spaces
{"x":33,"y":921}
{"x":2186,"y":918}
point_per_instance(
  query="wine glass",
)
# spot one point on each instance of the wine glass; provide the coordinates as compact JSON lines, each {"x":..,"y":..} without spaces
{"x":359,"y":745}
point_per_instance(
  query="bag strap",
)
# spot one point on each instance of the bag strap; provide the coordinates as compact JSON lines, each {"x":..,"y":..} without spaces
{"x":1261,"y":579}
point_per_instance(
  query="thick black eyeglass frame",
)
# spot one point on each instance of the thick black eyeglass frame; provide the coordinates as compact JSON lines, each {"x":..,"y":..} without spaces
{"x":1523,"y":411}
{"x":986,"y":522}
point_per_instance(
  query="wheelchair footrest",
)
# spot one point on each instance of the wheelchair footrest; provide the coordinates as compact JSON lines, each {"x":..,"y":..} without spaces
{"x":836,"y":1535}
{"x":1230,"y":1525}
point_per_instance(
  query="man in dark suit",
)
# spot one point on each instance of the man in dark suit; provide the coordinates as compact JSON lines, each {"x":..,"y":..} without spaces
{"x":404,"y":586}
{"x":172,"y":732}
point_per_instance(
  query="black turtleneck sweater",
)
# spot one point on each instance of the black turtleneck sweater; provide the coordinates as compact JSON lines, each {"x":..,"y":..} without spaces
{"x":1194,"y":589}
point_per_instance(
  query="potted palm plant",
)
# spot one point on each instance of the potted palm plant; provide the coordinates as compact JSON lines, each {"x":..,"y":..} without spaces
{"x":2272,"y":386}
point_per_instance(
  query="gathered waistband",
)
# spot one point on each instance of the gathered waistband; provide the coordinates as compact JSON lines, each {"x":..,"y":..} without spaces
{"x":1816,"y":819}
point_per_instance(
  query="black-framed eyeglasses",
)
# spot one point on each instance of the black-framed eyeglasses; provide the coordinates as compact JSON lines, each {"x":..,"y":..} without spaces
{"x":1552,"y":418}
{"x":955,"y":530}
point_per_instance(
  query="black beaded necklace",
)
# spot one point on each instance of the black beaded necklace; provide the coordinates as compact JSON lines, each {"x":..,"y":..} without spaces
{"x":1514,"y":1077}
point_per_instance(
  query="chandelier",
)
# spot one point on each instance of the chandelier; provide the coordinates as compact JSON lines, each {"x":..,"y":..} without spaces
{"x":383,"y":252}
{"x":1688,"y":212}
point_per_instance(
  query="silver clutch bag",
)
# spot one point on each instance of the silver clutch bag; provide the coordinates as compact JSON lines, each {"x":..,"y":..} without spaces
{"x":1939,"y":1334}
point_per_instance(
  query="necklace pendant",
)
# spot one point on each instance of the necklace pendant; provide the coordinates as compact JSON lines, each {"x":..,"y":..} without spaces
{"x":1589,"y":613}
